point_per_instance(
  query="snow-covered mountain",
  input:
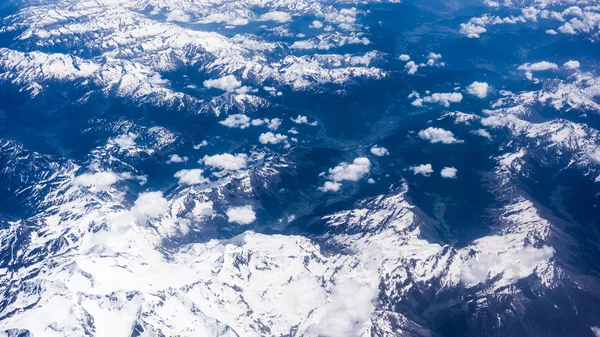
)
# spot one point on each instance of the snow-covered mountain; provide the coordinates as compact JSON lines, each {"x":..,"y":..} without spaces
{"x":299,"y":168}
{"x":125,"y":49}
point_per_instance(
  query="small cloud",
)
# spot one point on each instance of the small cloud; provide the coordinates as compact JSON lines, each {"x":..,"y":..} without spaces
{"x":348,"y":309}
{"x":571,"y":64}
{"x":191,"y":177}
{"x":516,"y":263}
{"x":271,"y":138}
{"x":330,"y":186}
{"x":230,"y":20}
{"x":99,"y":181}
{"x":379,"y":151}
{"x":352,"y":172}
{"x":202,"y":144}
{"x":479,"y":89}
{"x":411,"y":67}
{"x":124,"y":141}
{"x":226,"y":161}
{"x":302,"y":120}
{"x":306,"y":44}
{"x":595,"y":155}
{"x":236,"y":121}
{"x":567,"y":28}
{"x":539,"y":66}
{"x":438,"y":135}
{"x":434,"y":56}
{"x":178,"y":15}
{"x":404,"y":57}
{"x":499,"y":120}
{"x":448,"y":172}
{"x":471,"y":30}
{"x":241,"y":215}
{"x":147,"y":206}
{"x":417,"y":102}
{"x":227,"y":83}
{"x":274,"y":124}
{"x":423,"y":169}
{"x":530,"y":68}
{"x":276,"y":16}
{"x":359,"y":168}
{"x":482,"y":133}
{"x":175,"y":158}
{"x":316,"y":25}
{"x":444,"y":98}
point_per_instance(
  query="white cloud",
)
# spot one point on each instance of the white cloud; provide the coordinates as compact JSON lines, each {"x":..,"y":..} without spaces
{"x":231,"y":20}
{"x":595,"y":155}
{"x":567,"y":28}
{"x":305,"y":44}
{"x":274,"y":124}
{"x":482,"y":133}
{"x":448,"y":172}
{"x":438,"y":135}
{"x":227,"y":83}
{"x":271,"y":138}
{"x":316,"y":25}
{"x":178,"y":15}
{"x":302,"y":120}
{"x":379,"y":151}
{"x":417,"y":102}
{"x":99,"y":181}
{"x":226,"y":161}
{"x":202,"y":144}
{"x":423,"y":169}
{"x":276,"y":16}
{"x":148,"y":205}
{"x":499,"y":120}
{"x":191,"y":177}
{"x":330,"y":186}
{"x":471,"y":30}
{"x":404,"y":57}
{"x":349,"y":308}
{"x":479,"y":89}
{"x":236,"y":121}
{"x":124,"y":141}
{"x":352,"y":172}
{"x":571,"y":64}
{"x":596,"y":331}
{"x":434,"y":56}
{"x":346,"y":172}
{"x":539,"y":66}
{"x":530,"y":68}
{"x":411,"y":67}
{"x":444,"y":98}
{"x":516,"y":263}
{"x":241,"y":215}
{"x":175,"y":158}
